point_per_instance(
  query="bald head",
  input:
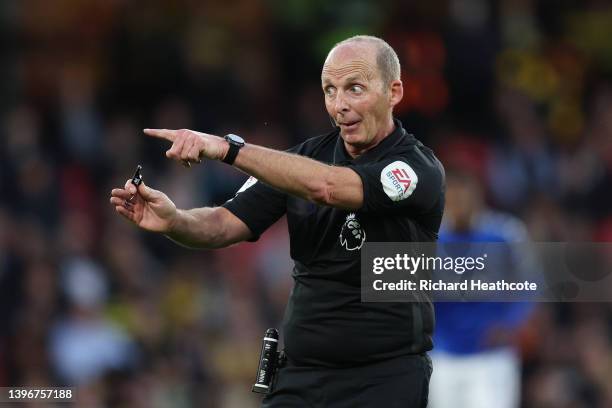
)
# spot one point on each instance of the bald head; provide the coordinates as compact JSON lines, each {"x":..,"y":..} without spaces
{"x":360,"y":81}
{"x":386,"y":59}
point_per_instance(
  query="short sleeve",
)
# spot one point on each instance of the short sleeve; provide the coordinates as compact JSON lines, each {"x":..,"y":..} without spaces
{"x":401,"y":182}
{"x":258,"y":205}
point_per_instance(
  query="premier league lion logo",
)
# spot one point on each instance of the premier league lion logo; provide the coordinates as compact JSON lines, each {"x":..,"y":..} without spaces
{"x":352,"y":236}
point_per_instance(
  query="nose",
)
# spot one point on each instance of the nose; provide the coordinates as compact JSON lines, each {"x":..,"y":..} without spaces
{"x":341,"y":104}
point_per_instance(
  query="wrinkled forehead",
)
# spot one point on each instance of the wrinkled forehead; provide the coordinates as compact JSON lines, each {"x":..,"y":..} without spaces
{"x":348,"y":61}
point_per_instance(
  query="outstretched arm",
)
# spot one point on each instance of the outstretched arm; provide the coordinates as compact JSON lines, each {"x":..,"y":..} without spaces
{"x":297,"y":175}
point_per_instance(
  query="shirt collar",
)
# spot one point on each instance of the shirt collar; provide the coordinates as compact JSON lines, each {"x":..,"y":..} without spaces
{"x":341,"y":156}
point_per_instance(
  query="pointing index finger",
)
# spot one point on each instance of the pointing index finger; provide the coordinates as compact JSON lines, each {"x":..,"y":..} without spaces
{"x":167,"y":134}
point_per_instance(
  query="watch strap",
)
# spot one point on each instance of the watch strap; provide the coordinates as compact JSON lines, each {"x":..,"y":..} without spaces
{"x":233,"y":150}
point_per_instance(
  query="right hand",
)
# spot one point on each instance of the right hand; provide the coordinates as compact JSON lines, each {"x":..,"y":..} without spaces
{"x":150,"y":209}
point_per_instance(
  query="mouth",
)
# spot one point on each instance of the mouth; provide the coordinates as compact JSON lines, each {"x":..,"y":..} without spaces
{"x":349,"y":126}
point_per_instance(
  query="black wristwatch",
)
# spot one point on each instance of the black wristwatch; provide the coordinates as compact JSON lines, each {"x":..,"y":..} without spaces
{"x":235,"y":143}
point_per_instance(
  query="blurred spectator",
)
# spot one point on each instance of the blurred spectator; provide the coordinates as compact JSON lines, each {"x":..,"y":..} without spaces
{"x":84,"y":345}
{"x":522,"y":164}
{"x":472,"y":337}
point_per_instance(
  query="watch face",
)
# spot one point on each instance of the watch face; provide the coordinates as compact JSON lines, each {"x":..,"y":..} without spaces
{"x":235,"y":139}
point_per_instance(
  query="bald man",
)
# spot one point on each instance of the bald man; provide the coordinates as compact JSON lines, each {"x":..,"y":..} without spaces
{"x":368,"y":179}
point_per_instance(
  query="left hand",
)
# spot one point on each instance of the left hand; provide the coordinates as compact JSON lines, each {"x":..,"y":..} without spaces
{"x":189,"y":146}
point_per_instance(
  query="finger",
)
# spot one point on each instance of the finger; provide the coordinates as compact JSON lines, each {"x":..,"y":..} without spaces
{"x":120,"y":193}
{"x":130,"y":187}
{"x":186,"y":148}
{"x":194,"y":154}
{"x":148,"y":193}
{"x":167,"y":134}
{"x":117,"y":201}
{"x":126,"y":213}
{"x":175,"y":151}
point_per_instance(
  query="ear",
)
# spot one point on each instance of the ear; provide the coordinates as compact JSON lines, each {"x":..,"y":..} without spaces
{"x":396,"y":92}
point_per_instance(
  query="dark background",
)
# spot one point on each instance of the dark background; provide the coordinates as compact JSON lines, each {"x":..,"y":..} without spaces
{"x":517,"y":92}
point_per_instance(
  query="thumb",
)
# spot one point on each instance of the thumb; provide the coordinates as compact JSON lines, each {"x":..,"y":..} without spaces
{"x":147,"y":192}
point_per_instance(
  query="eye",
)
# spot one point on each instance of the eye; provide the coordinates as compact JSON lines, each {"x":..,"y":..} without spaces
{"x":357,"y":89}
{"x":330,"y":91}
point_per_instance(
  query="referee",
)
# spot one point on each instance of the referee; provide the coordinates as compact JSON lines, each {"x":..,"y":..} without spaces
{"x":368,"y":179}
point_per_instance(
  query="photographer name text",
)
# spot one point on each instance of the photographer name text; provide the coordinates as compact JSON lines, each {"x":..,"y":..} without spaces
{"x":467,"y":285}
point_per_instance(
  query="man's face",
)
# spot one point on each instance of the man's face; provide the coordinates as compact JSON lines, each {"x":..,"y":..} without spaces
{"x":355,"y":96}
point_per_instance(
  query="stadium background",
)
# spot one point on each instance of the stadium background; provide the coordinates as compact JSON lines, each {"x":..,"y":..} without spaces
{"x":517,"y":92}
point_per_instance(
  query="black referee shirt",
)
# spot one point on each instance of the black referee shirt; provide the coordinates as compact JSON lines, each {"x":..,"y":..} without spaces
{"x":325,"y":323}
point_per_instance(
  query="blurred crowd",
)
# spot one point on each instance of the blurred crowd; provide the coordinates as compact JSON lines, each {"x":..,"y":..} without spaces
{"x":516,"y":92}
